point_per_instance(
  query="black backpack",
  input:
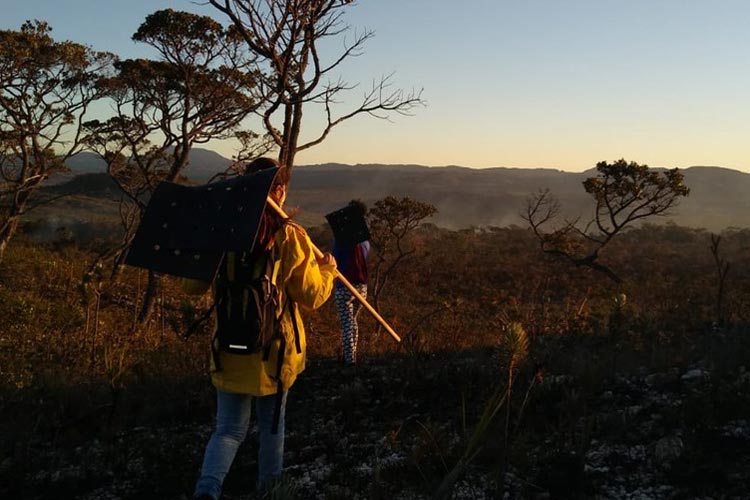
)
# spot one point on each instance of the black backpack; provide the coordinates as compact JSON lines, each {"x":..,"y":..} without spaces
{"x":246,"y":302}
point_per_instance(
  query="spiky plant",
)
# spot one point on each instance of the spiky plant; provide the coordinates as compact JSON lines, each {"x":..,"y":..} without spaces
{"x":514,"y":346}
{"x":282,"y":489}
{"x":514,"y":350}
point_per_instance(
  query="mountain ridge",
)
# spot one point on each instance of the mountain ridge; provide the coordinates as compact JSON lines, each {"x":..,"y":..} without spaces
{"x":467,"y":196}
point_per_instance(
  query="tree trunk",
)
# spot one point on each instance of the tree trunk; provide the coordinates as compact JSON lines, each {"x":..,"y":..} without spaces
{"x":290,"y":134}
{"x":149,"y":295}
{"x":10,"y":224}
{"x":152,"y":287}
{"x":6,"y":233}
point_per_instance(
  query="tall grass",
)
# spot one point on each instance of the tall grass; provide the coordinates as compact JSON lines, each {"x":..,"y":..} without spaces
{"x":514,"y":348}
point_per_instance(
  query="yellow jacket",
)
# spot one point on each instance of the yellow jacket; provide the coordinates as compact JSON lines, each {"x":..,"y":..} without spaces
{"x":308,"y":285}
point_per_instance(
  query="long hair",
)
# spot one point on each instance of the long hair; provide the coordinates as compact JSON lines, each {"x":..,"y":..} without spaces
{"x":270,"y":221}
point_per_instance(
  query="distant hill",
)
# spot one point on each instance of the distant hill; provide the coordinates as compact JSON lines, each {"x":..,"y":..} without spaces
{"x":468,"y":197}
{"x":203,"y":164}
{"x":95,"y":185}
{"x":465,"y":197}
{"x":719,"y":198}
{"x":496,"y":196}
{"x":86,"y":163}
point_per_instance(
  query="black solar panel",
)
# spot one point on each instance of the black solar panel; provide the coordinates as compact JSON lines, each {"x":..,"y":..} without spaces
{"x":349,"y":225}
{"x":186,"y":229}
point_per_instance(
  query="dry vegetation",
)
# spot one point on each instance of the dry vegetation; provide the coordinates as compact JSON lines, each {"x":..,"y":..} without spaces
{"x":636,"y":388}
{"x":519,"y":375}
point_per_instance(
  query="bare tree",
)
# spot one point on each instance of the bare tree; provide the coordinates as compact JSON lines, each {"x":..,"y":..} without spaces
{"x":201,"y":89}
{"x":286,"y":36}
{"x":46,"y":88}
{"x":624,"y":193}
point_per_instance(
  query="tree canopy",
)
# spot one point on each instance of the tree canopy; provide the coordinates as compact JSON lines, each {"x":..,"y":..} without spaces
{"x":46,"y":87}
{"x":624,"y":192}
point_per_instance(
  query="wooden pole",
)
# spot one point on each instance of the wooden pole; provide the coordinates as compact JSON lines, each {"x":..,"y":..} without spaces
{"x":344,"y":281}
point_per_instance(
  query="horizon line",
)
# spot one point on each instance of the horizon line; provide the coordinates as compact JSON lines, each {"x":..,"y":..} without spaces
{"x":468,"y":167}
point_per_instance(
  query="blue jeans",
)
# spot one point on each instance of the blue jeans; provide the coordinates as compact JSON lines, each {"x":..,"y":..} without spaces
{"x":232,"y":422}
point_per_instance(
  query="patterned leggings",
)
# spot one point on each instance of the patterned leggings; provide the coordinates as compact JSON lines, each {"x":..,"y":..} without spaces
{"x":348,"y":308}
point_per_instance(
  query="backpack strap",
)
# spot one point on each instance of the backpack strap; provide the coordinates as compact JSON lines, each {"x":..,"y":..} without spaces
{"x":215,"y":352}
{"x":266,"y":353}
{"x":231,"y":265}
{"x":272,"y":270}
{"x":279,"y":388}
{"x":297,"y":341}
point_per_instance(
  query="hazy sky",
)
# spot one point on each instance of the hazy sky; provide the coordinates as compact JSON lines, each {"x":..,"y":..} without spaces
{"x":527,"y":83}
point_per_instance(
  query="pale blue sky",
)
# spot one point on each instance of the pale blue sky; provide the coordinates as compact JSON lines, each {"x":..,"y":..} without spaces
{"x":528,"y":83}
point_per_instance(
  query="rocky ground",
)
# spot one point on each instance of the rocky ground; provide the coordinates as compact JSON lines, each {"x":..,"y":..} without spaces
{"x":393,"y":428}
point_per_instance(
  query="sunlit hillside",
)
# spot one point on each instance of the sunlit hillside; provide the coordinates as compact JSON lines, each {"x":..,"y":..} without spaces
{"x":464,"y":197}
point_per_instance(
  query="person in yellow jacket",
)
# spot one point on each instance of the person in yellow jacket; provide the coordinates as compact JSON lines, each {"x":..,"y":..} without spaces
{"x":303,"y":282}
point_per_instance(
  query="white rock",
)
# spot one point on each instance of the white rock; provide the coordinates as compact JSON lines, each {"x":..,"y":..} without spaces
{"x":694,"y":374}
{"x":668,"y":449}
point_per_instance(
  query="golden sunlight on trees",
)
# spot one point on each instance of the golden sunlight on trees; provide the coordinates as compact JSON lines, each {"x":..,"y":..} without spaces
{"x":46,"y":88}
{"x":285,"y":36}
{"x":201,"y":89}
{"x":624,"y":193}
